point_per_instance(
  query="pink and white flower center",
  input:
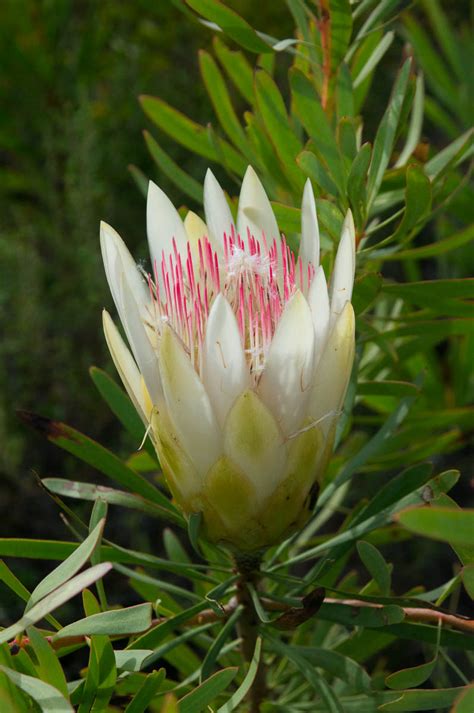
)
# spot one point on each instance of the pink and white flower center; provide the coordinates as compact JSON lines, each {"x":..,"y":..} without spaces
{"x":256,"y":279}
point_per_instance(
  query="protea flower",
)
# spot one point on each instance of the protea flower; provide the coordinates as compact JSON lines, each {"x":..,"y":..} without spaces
{"x":241,"y":356}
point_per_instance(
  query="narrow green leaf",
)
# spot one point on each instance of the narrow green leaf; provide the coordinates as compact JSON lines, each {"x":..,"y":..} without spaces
{"x":429,"y":634}
{"x":421,"y":700}
{"x":386,"y":133}
{"x":353,"y":615}
{"x":275,"y":118}
{"x":443,"y":160}
{"x":176,"y":641}
{"x":12,"y":582}
{"x":357,"y":57}
{"x":376,"y":565}
{"x":215,"y":649}
{"x":202,"y":696}
{"x":347,"y":137}
{"x":69,"y":567}
{"x":188,"y":133}
{"x":152,"y":638}
{"x":101,"y":674}
{"x":48,"y":667}
{"x":89,"y":491}
{"x":416,"y":675}
{"x":445,"y":35}
{"x":119,"y":403}
{"x":230,"y":23}
{"x":356,"y":185}
{"x":174,"y":172}
{"x":340,"y":29}
{"x":92,"y":453}
{"x":417,"y":201}
{"x":423,"y":293}
{"x":416,"y":123}
{"x":246,"y":684}
{"x":373,"y":59}
{"x":462,"y":237}
{"x":468,"y":579}
{"x":465,"y":702}
{"x":315,"y":680}
{"x":48,"y":698}
{"x":365,"y":523}
{"x":432,"y":62}
{"x":146,"y":693}
{"x":336,"y":664}
{"x":194,"y":529}
{"x":453,"y":526}
{"x":54,"y":600}
{"x":344,"y":93}
{"x":131,"y":660}
{"x":366,"y":290}
{"x":99,"y":512}
{"x":312,"y":167}
{"x":183,"y":130}
{"x":221,"y":101}
{"x":174,"y":549}
{"x":265,"y":157}
{"x":312,"y":116}
{"x":259,"y":610}
{"x":370,"y":449}
{"x":140,"y":180}
{"x":115,"y":622}
{"x":237,"y":68}
{"x":288,"y":218}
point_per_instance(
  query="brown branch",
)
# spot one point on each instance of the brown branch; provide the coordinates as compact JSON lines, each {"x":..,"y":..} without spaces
{"x":419,"y":614}
{"x":248,"y":625}
{"x":291,"y":617}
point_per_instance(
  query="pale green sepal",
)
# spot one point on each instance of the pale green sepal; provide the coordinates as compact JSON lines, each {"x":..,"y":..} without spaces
{"x":181,"y":475}
{"x":187,"y":403}
{"x":253,"y":441}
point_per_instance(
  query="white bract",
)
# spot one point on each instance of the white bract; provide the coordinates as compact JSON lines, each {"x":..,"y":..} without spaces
{"x":240,"y":356}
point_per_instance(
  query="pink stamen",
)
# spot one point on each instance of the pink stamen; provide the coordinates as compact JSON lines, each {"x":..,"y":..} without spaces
{"x":257,"y":280}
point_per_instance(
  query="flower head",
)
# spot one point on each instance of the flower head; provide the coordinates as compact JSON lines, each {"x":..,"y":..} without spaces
{"x":241,"y":356}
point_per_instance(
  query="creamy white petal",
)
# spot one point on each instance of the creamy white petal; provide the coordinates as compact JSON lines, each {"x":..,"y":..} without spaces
{"x":253,"y":441}
{"x":126,"y":366}
{"x":132,"y":300}
{"x":333,"y":371}
{"x":342,"y":279}
{"x":318,"y":300}
{"x":196,"y":230}
{"x":163,"y":223}
{"x":309,"y":246}
{"x":218,"y":216}
{"x":195,"y":227}
{"x":188,"y":404}
{"x":113,"y":250}
{"x":225,"y":372}
{"x":286,"y":379}
{"x":134,"y":326}
{"x":255,"y":212}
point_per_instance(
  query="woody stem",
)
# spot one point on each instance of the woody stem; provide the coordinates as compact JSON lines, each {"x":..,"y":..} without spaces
{"x":248,"y":568}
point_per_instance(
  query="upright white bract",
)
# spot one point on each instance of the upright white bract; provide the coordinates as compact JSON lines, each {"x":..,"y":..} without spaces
{"x":240,"y":356}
